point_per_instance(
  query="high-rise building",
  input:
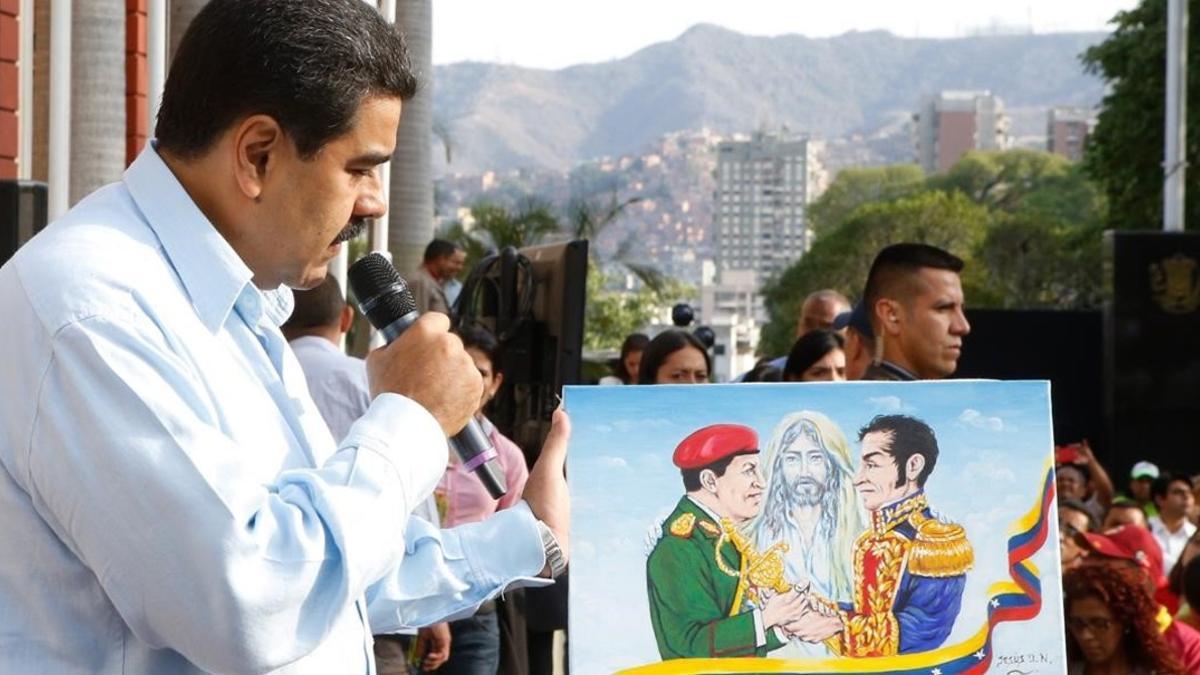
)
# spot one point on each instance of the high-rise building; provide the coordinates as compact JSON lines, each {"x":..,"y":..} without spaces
{"x":1067,"y":130}
{"x":952,"y":123}
{"x":764,"y":185}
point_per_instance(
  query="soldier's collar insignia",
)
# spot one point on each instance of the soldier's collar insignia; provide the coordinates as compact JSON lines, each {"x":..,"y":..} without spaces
{"x":893,"y":514}
{"x":709,"y":528}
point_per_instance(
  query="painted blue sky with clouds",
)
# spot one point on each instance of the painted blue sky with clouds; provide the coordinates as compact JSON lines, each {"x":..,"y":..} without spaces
{"x":995,"y":440}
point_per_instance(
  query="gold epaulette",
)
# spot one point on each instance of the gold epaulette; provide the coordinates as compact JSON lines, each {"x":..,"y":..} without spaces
{"x":940,"y":549}
{"x":682,"y":526}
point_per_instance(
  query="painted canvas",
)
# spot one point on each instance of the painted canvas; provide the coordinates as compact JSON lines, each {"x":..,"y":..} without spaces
{"x":817,"y":528}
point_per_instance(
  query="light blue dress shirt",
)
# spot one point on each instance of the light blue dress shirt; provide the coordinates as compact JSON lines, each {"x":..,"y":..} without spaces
{"x":170,"y":499}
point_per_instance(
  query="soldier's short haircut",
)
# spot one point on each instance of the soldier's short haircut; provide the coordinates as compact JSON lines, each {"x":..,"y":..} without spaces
{"x":317,"y":307}
{"x":894,"y":271}
{"x":910,"y":436}
{"x":438,"y":249}
{"x":691,"y":477}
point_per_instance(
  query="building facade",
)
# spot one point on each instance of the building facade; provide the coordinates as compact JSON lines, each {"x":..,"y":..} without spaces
{"x":763,"y":187}
{"x":1067,"y":131}
{"x":952,"y":123}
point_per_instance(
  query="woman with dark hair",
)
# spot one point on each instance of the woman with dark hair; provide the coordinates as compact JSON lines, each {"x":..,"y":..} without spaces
{"x":625,"y":371}
{"x":1111,"y":626}
{"x":818,"y":356}
{"x":462,"y":498}
{"x":674,"y":357}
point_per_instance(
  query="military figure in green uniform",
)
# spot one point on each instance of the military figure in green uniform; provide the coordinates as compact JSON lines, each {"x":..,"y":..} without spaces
{"x":702,"y":603}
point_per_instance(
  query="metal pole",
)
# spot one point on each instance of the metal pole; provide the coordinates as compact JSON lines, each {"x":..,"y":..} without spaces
{"x":25,"y":149}
{"x":1175,"y":164}
{"x":156,"y":59}
{"x":60,"y":108}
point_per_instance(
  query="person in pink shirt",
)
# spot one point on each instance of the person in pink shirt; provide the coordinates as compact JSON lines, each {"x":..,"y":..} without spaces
{"x":462,"y":498}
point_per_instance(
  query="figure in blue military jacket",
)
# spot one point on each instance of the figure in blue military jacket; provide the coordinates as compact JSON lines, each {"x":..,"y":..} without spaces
{"x":909,"y":567}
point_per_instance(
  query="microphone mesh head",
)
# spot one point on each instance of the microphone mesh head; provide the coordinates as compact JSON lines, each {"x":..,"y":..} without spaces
{"x":382,"y":294}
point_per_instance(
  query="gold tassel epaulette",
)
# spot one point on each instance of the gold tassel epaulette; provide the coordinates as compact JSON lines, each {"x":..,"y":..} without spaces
{"x":682,"y":526}
{"x":940,"y":549}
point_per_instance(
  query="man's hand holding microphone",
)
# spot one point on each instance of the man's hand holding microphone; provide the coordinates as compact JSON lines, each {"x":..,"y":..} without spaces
{"x":426,"y":363}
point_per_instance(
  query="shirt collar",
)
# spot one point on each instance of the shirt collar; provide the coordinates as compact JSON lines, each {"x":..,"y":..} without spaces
{"x":902,"y":373}
{"x":704,"y":509}
{"x":316,"y":342}
{"x":211,"y":271}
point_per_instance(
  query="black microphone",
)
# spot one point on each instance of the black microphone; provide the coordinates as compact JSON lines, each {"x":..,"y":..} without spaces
{"x":384,"y":298}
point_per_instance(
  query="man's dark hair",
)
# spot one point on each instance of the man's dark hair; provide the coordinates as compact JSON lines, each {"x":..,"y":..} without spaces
{"x":440,"y":248}
{"x":663,"y":345}
{"x":476,"y":337}
{"x":1085,"y":474}
{"x":910,"y":436}
{"x":1162,"y":485}
{"x":895,"y":267}
{"x":691,"y":477}
{"x":308,"y":64}
{"x":1080,"y":507}
{"x":316,"y":307}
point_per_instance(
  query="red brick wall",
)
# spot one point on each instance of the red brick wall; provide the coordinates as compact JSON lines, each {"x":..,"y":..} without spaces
{"x":10,"y":87}
{"x":136,"y":78}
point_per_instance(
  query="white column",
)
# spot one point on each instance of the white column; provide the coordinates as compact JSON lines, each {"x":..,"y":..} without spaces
{"x":60,"y":108}
{"x":379,"y":227}
{"x":1175,"y":164}
{"x":156,"y":59}
{"x":25,"y":76}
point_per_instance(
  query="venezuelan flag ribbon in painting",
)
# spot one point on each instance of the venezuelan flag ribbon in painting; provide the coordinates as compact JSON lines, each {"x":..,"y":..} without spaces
{"x":1019,"y":599}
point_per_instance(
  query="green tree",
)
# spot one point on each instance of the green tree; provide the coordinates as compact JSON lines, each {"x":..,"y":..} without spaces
{"x":496,"y":226}
{"x":1002,"y":180}
{"x":841,"y":258}
{"x":855,"y":187}
{"x":1125,"y":151}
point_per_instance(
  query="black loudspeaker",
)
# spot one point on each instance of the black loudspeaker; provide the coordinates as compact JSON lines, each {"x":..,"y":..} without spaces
{"x":1152,"y":349}
{"x":22,"y":214}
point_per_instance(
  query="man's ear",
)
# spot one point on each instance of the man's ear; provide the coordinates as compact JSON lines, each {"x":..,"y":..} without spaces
{"x":258,"y":140}
{"x":888,"y":316}
{"x":708,"y":480}
{"x":346,"y":319}
{"x":914,"y":466}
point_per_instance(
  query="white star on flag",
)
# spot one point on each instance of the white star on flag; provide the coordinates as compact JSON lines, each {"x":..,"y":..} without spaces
{"x":980,"y":655}
{"x":995,"y":603}
{"x":937,"y":671}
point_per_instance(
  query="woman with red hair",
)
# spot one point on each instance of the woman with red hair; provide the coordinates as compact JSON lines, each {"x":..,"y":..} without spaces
{"x":1111,"y":626}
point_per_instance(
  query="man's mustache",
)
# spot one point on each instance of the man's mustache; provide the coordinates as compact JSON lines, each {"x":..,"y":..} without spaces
{"x":354,"y":229}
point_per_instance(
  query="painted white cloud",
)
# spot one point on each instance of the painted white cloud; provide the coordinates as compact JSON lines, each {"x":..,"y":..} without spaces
{"x":976,"y":419}
{"x":613,"y":462}
{"x":887,"y":403}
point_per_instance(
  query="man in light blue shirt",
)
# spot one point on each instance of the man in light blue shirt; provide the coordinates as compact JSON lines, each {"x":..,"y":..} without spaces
{"x":170,"y":499}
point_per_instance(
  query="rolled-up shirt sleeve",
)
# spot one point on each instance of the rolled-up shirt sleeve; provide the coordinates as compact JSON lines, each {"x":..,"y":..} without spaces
{"x":470,"y":564}
{"x":198,"y":552}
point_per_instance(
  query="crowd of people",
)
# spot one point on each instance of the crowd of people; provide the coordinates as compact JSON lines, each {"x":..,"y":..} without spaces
{"x":1130,"y":569}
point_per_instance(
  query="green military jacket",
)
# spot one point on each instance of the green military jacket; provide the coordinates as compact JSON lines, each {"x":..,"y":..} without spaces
{"x":691,"y":598}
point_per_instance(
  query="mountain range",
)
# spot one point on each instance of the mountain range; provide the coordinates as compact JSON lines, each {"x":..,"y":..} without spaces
{"x":497,"y":116}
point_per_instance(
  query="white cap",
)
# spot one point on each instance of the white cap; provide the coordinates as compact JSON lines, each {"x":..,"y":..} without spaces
{"x":1144,"y":470}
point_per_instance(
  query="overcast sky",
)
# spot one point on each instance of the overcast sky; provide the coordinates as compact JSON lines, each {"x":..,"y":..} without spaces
{"x":559,"y":33}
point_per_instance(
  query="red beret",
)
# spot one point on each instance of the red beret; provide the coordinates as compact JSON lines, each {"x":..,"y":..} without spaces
{"x":718,"y":441}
